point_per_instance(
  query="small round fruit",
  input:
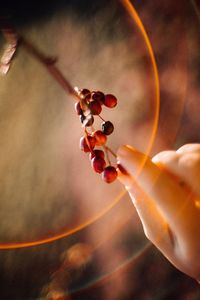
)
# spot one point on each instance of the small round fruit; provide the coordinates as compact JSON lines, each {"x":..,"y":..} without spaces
{"x":78,"y":108}
{"x":100,"y":137}
{"x":109,"y":174}
{"x":107,"y":127}
{"x":97,"y":153}
{"x":87,"y":120}
{"x":95,"y":107}
{"x":98,"y":164}
{"x":85,"y":94}
{"x":87,"y":144}
{"x":110,"y":101}
{"x":99,"y":96}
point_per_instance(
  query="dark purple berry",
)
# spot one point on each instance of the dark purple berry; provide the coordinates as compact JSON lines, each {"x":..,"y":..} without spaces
{"x":107,"y":127}
{"x":99,"y":96}
{"x":85,"y":94}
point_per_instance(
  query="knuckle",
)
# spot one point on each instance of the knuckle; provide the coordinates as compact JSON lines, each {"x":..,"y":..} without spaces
{"x":189,"y":161}
{"x":163,"y":154}
{"x":195,"y":147}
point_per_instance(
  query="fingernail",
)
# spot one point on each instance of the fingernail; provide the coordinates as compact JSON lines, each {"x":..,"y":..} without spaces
{"x":124,"y":159}
{"x":123,"y":176}
{"x":122,"y":170}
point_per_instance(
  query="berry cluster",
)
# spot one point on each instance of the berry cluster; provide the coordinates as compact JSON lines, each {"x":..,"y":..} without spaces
{"x":90,"y":105}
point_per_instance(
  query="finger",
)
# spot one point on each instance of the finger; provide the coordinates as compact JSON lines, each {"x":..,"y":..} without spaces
{"x":173,"y":203}
{"x":195,"y":147}
{"x":184,"y":163}
{"x":167,"y":158}
{"x":154,"y":225}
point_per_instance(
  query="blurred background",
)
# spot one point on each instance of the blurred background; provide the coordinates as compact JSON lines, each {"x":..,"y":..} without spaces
{"x":47,"y":187}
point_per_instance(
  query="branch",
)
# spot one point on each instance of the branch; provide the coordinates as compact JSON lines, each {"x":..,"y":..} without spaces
{"x":14,"y":40}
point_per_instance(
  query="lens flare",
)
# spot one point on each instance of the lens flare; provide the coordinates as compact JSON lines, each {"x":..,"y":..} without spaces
{"x":135,"y":17}
{"x":133,"y":13}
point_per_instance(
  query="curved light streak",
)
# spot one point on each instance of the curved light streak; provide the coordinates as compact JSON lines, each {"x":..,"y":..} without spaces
{"x":132,"y":12}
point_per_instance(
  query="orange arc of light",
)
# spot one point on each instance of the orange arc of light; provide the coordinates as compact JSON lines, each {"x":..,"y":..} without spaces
{"x":65,"y":234}
{"x":131,"y":10}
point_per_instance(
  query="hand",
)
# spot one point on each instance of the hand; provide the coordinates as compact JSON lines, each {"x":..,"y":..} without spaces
{"x":166,"y":193}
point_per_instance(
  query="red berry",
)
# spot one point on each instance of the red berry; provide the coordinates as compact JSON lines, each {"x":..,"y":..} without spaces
{"x":99,"y":96}
{"x":110,"y":101}
{"x":98,"y":164}
{"x":78,"y":108}
{"x":97,"y":153}
{"x":100,"y":137}
{"x":107,"y":127}
{"x":87,"y":144}
{"x":109,"y":174}
{"x":95,"y":107}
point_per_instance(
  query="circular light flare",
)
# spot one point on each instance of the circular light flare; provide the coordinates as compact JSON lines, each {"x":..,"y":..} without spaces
{"x":134,"y":15}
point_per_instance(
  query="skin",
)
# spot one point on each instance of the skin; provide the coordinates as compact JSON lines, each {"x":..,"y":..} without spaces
{"x":166,"y":195}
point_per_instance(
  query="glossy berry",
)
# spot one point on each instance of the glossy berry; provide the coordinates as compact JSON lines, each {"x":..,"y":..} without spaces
{"x":110,"y":101}
{"x":90,"y":104}
{"x":107,"y":127}
{"x":95,"y":107}
{"x":97,"y":153}
{"x":98,"y":164}
{"x":78,"y":108}
{"x":85,"y":94}
{"x":100,"y":137}
{"x":87,"y":120}
{"x":99,"y":96}
{"x":109,"y":174}
{"x":87,"y":144}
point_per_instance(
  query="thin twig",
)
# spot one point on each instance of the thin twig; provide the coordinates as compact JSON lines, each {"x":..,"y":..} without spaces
{"x":15,"y":40}
{"x":110,"y":150}
{"x":101,"y":118}
{"x":49,"y":63}
{"x":107,"y":155}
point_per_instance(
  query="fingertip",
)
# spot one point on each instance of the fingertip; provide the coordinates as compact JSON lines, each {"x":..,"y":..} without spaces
{"x":131,"y":160}
{"x":125,"y":156}
{"x":121,"y":170}
{"x":131,"y":163}
{"x":123,"y":176}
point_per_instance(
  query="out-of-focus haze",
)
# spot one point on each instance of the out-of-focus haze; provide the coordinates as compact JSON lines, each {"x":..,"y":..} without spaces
{"x":47,"y":186}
